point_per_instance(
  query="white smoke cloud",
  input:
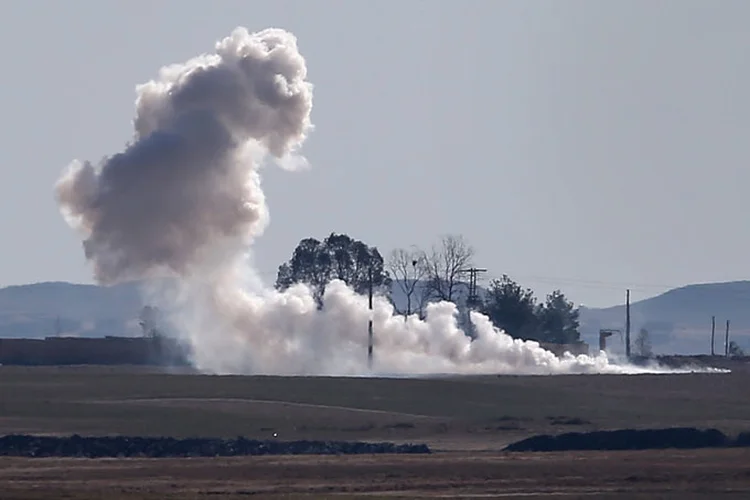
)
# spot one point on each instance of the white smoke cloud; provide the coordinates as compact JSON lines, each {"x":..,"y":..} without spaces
{"x":186,"y":191}
{"x":184,"y":199}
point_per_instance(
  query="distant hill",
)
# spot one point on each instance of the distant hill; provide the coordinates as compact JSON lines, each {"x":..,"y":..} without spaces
{"x":47,"y":309}
{"x":678,"y":321}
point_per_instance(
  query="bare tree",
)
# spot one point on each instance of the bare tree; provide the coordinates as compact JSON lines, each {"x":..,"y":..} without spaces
{"x":445,"y":265}
{"x":735,"y":350}
{"x":643,"y":343}
{"x":408,"y":268}
{"x":149,"y":319}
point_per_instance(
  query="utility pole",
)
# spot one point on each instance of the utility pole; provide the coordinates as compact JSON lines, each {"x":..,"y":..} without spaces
{"x":473,"y":299}
{"x":369,"y":324}
{"x":627,"y":325}
{"x":713,"y":333}
{"x":726,"y":341}
{"x":408,"y":297}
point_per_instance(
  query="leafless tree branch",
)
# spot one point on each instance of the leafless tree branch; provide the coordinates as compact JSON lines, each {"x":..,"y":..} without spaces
{"x":408,"y":268}
{"x":445,"y":265}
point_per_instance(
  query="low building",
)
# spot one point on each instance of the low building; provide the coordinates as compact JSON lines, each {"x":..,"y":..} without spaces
{"x":91,"y":351}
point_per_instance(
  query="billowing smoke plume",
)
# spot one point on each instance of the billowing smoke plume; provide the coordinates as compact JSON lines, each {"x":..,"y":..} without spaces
{"x":187,"y":186}
{"x":184,"y":200}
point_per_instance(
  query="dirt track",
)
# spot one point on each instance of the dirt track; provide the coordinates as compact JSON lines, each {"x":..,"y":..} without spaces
{"x":468,"y":417}
{"x":616,"y":475}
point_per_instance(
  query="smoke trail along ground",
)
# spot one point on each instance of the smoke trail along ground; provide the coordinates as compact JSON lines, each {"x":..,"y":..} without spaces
{"x":184,"y":199}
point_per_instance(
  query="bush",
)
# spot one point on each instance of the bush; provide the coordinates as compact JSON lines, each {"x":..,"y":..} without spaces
{"x":123,"y":446}
{"x":626,"y":439}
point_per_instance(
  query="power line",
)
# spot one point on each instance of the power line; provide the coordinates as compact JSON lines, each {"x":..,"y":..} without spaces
{"x":587,"y":282}
{"x":612,"y":285}
{"x":596,"y":284}
{"x":582,"y":282}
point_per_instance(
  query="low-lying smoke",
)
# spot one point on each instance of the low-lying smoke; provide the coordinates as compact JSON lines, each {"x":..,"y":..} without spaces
{"x":184,"y":199}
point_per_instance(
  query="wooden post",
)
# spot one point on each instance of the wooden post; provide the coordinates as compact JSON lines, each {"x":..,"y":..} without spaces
{"x":726,"y":341}
{"x":627,"y":325}
{"x":369,"y":324}
{"x":713,"y":333}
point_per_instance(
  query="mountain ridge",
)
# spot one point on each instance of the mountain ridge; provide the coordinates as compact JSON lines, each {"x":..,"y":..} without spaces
{"x":678,"y":320}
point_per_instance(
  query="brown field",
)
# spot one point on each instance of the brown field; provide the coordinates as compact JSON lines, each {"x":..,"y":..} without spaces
{"x":621,"y":475}
{"x":466,"y":420}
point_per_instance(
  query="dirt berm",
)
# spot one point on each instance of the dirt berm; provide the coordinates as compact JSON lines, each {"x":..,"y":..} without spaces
{"x":152,"y":447}
{"x":629,"y":439}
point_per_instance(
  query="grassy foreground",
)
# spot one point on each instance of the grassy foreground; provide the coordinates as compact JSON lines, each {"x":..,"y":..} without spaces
{"x":685,"y":475}
{"x":472,"y":416}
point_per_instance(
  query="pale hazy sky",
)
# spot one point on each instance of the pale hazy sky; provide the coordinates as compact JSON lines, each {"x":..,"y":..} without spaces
{"x":585,"y":145}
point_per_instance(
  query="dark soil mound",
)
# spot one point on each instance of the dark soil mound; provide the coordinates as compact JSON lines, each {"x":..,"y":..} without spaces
{"x":121,"y":446}
{"x":626,"y":439}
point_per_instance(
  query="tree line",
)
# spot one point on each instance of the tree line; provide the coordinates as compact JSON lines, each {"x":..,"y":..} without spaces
{"x":424,"y":276}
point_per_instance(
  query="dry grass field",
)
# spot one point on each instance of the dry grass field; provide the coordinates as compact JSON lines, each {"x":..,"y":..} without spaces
{"x":623,"y":475}
{"x":465,"y":420}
